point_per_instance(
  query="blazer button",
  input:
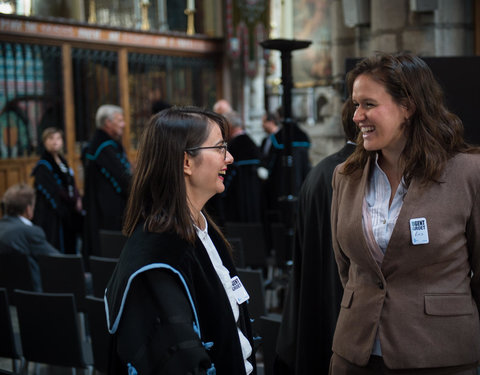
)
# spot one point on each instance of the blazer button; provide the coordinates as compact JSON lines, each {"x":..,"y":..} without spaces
{"x":380,"y":285}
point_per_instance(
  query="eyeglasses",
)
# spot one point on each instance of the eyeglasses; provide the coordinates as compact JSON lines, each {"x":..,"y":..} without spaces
{"x":222,"y":147}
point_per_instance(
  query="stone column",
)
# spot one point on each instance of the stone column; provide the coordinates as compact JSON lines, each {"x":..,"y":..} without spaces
{"x":453,"y":25}
{"x":388,"y":19}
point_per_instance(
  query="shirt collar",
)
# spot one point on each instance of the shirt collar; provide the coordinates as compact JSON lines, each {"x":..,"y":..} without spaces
{"x":202,"y":231}
{"x":377,"y":172}
{"x":25,"y":221}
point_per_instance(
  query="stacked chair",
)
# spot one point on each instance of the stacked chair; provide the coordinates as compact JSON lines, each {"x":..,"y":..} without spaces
{"x":111,"y":243}
{"x":101,"y":269}
{"x":99,"y":335}
{"x":262,"y":259}
{"x":62,"y":324}
{"x":50,"y":331}
{"x":64,"y":274}
{"x":10,"y":346}
{"x":15,"y":273}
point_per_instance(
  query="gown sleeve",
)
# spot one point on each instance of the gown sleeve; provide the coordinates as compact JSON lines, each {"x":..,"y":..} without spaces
{"x":157,"y":334}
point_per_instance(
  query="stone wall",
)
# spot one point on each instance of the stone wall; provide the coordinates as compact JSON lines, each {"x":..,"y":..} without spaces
{"x":446,"y":30}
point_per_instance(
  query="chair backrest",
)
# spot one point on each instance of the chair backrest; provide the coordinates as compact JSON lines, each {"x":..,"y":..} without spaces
{"x":280,"y":244}
{"x":5,"y":372}
{"x":9,"y":344}
{"x":111,"y":243}
{"x":252,"y":280}
{"x":254,"y":243}
{"x":237,"y":249}
{"x":98,"y":333}
{"x":64,"y":274}
{"x":101,"y":269}
{"x":268,"y":327}
{"x":16,"y":273}
{"x":49,"y":329}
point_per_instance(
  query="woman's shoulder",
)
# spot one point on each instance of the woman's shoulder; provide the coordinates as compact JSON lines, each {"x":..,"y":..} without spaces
{"x":156,"y":246}
{"x":466,"y":161}
{"x":340,"y":173}
{"x":463,"y":167}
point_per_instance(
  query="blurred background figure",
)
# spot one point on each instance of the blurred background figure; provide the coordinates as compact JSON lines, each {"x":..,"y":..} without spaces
{"x":276,"y":185}
{"x":222,"y":107}
{"x":270,"y":123}
{"x":18,"y":233}
{"x":157,"y":100}
{"x":242,"y":196}
{"x":58,"y":203}
{"x":107,"y":176}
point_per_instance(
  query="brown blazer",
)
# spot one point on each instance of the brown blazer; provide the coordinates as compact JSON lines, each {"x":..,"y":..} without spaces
{"x":423,"y":299}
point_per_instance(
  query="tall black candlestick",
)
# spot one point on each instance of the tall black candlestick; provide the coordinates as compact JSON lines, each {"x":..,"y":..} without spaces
{"x":286,"y":46}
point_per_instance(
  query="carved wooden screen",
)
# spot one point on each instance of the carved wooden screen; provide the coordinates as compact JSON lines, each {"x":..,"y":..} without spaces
{"x":31,"y":96}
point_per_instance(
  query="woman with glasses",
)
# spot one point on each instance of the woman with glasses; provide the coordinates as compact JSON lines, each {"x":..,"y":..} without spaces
{"x":174,"y":303}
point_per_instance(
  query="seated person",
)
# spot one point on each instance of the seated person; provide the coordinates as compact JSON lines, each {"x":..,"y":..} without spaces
{"x":18,"y":234}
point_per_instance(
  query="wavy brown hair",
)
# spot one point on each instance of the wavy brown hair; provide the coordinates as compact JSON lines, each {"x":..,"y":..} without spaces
{"x":158,"y":196}
{"x":433,"y":133}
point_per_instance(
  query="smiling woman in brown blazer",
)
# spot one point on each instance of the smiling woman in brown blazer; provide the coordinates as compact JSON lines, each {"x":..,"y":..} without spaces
{"x":406,"y":228}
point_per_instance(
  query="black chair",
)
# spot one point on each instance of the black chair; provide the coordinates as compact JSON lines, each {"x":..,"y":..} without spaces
{"x":15,"y":273}
{"x":101,"y":269}
{"x":111,"y":243}
{"x":237,"y":250}
{"x":5,"y":372}
{"x":252,"y":280}
{"x":10,"y":346}
{"x":254,"y":244}
{"x":280,"y":245}
{"x":64,"y":274}
{"x":49,"y":330}
{"x":98,"y":333}
{"x":268,"y":327}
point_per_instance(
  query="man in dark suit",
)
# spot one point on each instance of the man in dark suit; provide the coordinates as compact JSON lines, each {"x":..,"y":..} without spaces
{"x":18,"y":233}
{"x":314,"y":291}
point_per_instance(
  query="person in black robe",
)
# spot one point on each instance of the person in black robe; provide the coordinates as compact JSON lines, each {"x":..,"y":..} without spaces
{"x":275,"y":187}
{"x":107,"y":177}
{"x":270,"y":126}
{"x":242,"y":196}
{"x":314,"y":291}
{"x":58,"y":203}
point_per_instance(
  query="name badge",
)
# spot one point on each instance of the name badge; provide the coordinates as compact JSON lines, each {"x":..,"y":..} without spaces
{"x":239,"y":290}
{"x":419,"y":231}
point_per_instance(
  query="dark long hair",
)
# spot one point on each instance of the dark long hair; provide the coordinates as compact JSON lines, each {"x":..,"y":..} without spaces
{"x":158,"y":195}
{"x":433,"y":133}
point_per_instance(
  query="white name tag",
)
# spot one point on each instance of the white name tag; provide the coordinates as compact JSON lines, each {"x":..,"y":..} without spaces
{"x":239,"y":290}
{"x":419,"y":231}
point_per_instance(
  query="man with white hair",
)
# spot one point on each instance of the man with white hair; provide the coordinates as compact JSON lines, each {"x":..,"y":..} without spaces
{"x":107,"y":176}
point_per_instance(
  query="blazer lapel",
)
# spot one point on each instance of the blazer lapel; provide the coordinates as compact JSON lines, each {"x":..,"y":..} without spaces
{"x":401,"y":231}
{"x":358,"y":210}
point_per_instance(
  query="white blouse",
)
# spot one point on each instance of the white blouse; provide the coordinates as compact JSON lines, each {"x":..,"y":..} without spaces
{"x":224,"y":276}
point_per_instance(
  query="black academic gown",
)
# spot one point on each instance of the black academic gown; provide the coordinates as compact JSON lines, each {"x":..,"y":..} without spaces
{"x":55,"y":203}
{"x":276,"y":185}
{"x":168,"y":311}
{"x":242,"y":195}
{"x":314,"y":291}
{"x":107,"y":181}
